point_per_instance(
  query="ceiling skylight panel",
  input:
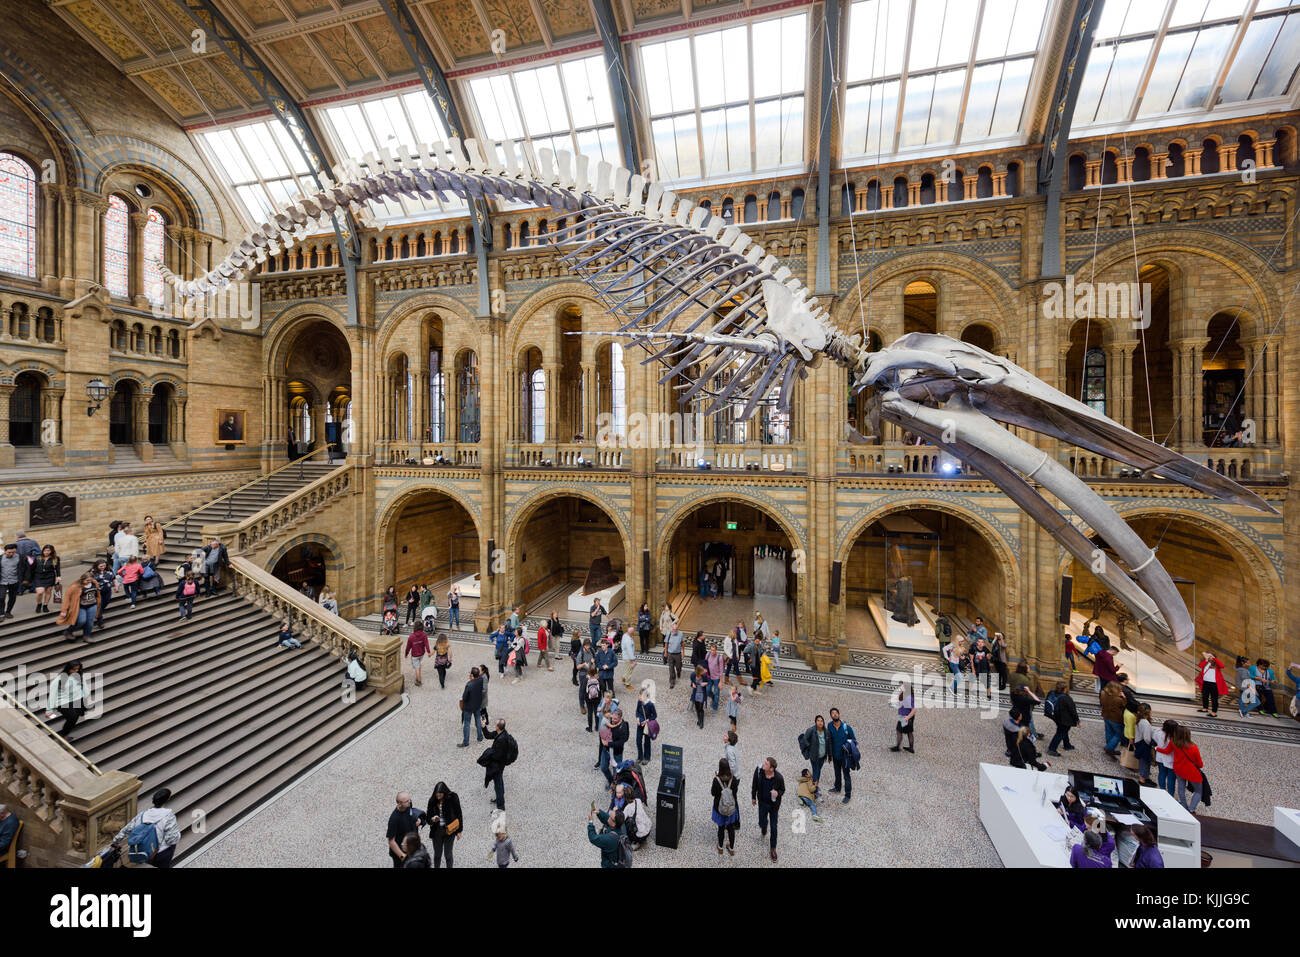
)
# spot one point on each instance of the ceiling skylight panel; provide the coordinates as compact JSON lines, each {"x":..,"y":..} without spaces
{"x":1280,"y":68}
{"x":589,"y":98}
{"x":1203,"y":67}
{"x":877,"y":39}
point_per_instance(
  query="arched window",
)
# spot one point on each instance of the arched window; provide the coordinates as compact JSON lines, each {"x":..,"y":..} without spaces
{"x":467,"y":401}
{"x":117,"y":244}
{"x":1094,"y":380}
{"x":437,"y":397}
{"x":17,"y":216}
{"x":537,"y":425}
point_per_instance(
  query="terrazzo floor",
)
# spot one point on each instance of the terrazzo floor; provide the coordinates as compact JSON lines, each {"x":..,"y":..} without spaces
{"x":911,"y":810}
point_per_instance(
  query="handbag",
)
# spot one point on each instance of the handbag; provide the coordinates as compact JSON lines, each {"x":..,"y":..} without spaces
{"x":453,"y":828}
{"x":1128,"y":759}
{"x":58,"y":594}
{"x":652,"y":728}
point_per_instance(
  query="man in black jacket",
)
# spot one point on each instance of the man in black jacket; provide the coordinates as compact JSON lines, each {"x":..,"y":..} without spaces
{"x":503,"y":751}
{"x":471,"y":703}
{"x":766,"y":791}
{"x":1066,"y":716}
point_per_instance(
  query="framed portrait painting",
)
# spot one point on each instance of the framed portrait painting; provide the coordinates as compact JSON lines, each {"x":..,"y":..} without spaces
{"x":230,"y":426}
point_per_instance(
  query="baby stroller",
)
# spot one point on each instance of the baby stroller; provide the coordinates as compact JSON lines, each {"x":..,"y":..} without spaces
{"x":629,"y":774}
{"x":430,"y":617}
{"x":390,"y":623}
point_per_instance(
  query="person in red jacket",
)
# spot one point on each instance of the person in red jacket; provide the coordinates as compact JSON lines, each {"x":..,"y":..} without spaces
{"x":544,"y":648}
{"x":1209,"y":678}
{"x":1187,"y":766}
{"x":417,"y":646}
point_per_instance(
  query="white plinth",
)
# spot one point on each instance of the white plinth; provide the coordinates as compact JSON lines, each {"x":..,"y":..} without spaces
{"x":469,"y":587}
{"x":1287,"y":822}
{"x":1178,"y":832}
{"x":1146,"y":675}
{"x":1025,"y":830}
{"x":918,"y":637}
{"x":611,"y":598}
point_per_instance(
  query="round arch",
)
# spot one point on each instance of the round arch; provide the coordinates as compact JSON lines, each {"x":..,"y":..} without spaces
{"x":408,"y":308}
{"x":789,"y":525}
{"x":1258,"y":567}
{"x":527,"y":507}
{"x":386,"y":526}
{"x":286,"y":326}
{"x":1003,"y":549}
{"x":335,"y":564}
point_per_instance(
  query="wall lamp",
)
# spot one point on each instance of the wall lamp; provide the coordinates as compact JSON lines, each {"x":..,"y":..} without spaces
{"x":97,"y":392}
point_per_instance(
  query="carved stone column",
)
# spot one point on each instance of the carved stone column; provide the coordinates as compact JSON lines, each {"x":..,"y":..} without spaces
{"x":1228,"y":158}
{"x":140,"y":426}
{"x":135,"y":248}
{"x":1159,"y":164}
{"x":1264,"y":153}
{"x":1191,"y":162}
{"x":588,"y":402}
{"x":1093,"y":171}
{"x":176,"y":427}
{"x":1124,"y":169}
{"x":6,"y":449}
{"x":1188,"y":394}
{"x":52,"y":412}
{"x":1120,"y":368}
{"x":551,"y":371}
{"x":999,"y":184}
{"x":970,"y":186}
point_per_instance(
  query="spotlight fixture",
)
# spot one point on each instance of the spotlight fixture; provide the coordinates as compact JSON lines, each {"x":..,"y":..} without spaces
{"x":97,"y":392}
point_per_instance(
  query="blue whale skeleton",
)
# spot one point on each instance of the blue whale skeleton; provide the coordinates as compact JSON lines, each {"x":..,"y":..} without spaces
{"x":711,"y":305}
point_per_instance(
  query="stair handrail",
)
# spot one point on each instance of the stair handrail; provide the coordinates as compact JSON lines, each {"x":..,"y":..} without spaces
{"x":58,"y":738}
{"x":230,"y":532}
{"x":185,"y":519}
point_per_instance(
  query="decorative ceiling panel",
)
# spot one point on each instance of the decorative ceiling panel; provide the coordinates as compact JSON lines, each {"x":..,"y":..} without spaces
{"x":710,"y":4}
{"x":461,"y":27}
{"x":654,"y":9}
{"x":567,"y":18}
{"x":259,"y":12}
{"x":211,"y":92}
{"x":388,"y":48}
{"x":152,"y":27}
{"x":102,"y":26}
{"x":236,"y":79}
{"x":174,"y":94}
{"x":303,"y":7}
{"x":304,"y":63}
{"x":346,"y":55}
{"x":516,"y":19}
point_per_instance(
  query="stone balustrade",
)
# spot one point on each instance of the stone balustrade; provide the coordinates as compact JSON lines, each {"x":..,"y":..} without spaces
{"x":271,"y":521}
{"x":381,"y":655}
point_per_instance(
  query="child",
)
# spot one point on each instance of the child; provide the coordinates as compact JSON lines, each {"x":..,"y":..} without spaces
{"x":733,"y":705}
{"x":776,"y":647}
{"x":285,"y":638}
{"x":808,"y":793}
{"x":1069,"y":651}
{"x":186,"y":589}
{"x":764,"y":670}
{"x":130,"y":578}
{"x":503,"y":848}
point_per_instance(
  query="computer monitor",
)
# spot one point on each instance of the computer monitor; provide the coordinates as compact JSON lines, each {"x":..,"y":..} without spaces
{"x":1107,"y":787}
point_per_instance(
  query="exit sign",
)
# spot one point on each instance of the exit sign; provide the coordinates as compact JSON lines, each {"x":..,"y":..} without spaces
{"x":732,"y":526}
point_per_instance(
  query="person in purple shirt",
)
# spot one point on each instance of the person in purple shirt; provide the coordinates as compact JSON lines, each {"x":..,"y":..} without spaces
{"x":1093,"y":852}
{"x":1148,"y":855}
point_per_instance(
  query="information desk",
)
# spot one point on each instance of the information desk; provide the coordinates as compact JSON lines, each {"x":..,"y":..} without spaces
{"x":1018,"y":811}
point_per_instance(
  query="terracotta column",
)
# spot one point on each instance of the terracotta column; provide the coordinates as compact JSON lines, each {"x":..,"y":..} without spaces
{"x":551,"y":370}
{"x":140,"y":426}
{"x":6,"y":449}
{"x":135,"y":246}
{"x":1191,"y":162}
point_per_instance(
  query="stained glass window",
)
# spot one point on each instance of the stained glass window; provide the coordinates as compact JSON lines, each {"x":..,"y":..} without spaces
{"x":154,"y":238}
{"x":17,"y":216}
{"x":1094,"y":380}
{"x":117,"y":243}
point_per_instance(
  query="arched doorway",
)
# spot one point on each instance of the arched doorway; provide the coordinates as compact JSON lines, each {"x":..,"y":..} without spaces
{"x":121,"y":417}
{"x":1223,"y":382}
{"x":727,"y":559}
{"x":1232,"y":601}
{"x":556,"y":546}
{"x":1152,"y":387}
{"x":431,"y":539}
{"x":912,"y":565}
{"x":309,"y":563}
{"x":25,"y":409}
{"x":160,"y":413}
{"x":317,"y":370}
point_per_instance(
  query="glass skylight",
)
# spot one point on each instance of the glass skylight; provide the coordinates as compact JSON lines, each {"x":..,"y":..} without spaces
{"x":708,"y":119}
{"x":932,"y":73}
{"x":400,"y":119}
{"x":261,"y":164}
{"x":564,"y":106}
{"x":1150,"y":60}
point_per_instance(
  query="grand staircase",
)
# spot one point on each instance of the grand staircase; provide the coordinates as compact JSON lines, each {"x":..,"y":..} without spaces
{"x":211,"y":707}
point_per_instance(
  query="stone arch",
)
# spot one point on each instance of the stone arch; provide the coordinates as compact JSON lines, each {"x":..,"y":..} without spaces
{"x":994,"y":533}
{"x":393,"y":508}
{"x":407,"y":308}
{"x":526,"y":507}
{"x":337,"y":564}
{"x":1261,"y":563}
{"x":53,"y":377}
{"x":940,"y":270}
{"x":286,"y":326}
{"x":791,"y":526}
{"x":549,"y":301}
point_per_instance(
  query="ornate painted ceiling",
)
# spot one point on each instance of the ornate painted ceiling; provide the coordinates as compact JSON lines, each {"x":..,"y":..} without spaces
{"x":323,"y":49}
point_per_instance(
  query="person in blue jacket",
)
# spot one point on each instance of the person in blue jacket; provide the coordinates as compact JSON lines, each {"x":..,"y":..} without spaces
{"x":841,"y":731}
{"x":501,"y":647}
{"x":606,"y":662}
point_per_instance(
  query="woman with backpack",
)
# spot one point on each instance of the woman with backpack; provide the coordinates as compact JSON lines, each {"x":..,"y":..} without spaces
{"x":646,"y":712}
{"x":726,"y":806}
{"x":589,"y":695}
{"x":442,"y":659}
{"x":1060,"y":708}
{"x":186,"y":589}
{"x":699,"y":692}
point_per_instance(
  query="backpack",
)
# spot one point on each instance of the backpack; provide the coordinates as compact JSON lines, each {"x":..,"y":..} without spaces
{"x":593,"y":690}
{"x":805,"y":746}
{"x":189,"y":588}
{"x":1049,"y":705}
{"x":142,"y":842}
{"x":624,"y":852}
{"x":852,"y":754}
{"x":726,"y":800}
{"x":639,"y":821}
{"x":512,"y":750}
